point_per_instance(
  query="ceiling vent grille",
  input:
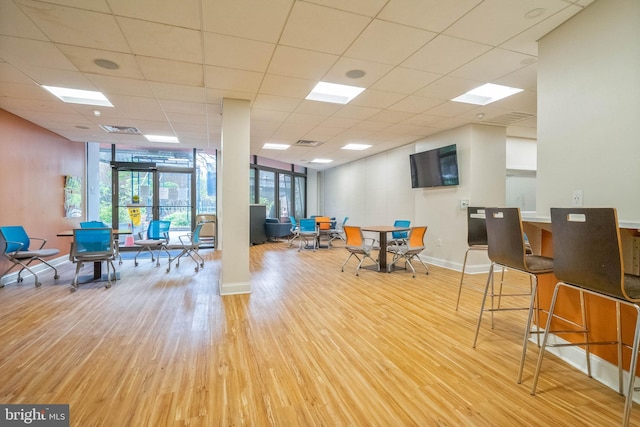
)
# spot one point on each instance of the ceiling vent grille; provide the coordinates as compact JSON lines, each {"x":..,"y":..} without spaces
{"x":127,"y":130}
{"x":307,"y":143}
{"x":509,"y":118}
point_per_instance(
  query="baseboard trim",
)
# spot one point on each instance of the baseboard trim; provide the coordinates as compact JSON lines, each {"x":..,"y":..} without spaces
{"x":37,"y":268}
{"x":235,"y":288}
{"x":602,"y":370}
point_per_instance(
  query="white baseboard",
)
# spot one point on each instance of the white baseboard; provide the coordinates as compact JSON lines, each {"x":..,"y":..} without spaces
{"x":235,"y":288}
{"x":37,"y":268}
{"x":602,"y":370}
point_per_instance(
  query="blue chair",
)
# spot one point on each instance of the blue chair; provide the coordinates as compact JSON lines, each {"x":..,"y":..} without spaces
{"x":157,"y":238}
{"x":338,"y":232}
{"x":307,"y":230}
{"x":189,"y":244}
{"x":399,"y":237}
{"x":92,"y":245}
{"x":101,"y":224}
{"x":294,"y":230}
{"x":17,"y":249}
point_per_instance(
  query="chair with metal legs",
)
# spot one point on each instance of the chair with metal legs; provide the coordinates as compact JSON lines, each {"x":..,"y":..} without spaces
{"x":357,"y":246}
{"x":507,"y":248}
{"x":588,"y":258}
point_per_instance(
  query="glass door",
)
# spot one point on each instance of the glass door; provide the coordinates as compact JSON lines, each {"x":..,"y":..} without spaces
{"x":146,"y":192}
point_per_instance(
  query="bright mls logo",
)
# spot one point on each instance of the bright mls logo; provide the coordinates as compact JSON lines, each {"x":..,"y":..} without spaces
{"x":34,"y":415}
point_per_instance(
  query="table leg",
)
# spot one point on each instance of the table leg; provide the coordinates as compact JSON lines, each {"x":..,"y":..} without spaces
{"x":97,"y":270}
{"x":382,"y":255}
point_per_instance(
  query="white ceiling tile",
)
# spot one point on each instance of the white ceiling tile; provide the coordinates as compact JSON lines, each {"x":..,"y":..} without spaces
{"x":415,"y":104}
{"x":76,"y":27}
{"x":451,"y":109}
{"x":390,"y":116}
{"x":444,"y":54}
{"x":234,"y":52}
{"x":25,"y":52}
{"x":524,"y":78}
{"x":432,"y":15}
{"x":405,"y":80}
{"x":60,"y":78}
{"x":492,"y":65}
{"x":162,"y":41}
{"x":178,"y":92}
{"x":317,"y":108}
{"x":320,"y":28}
{"x":279,"y":103}
{"x":256,"y":20}
{"x":286,"y":86}
{"x":94,"y":5}
{"x":374,"y":71}
{"x":83,"y":59}
{"x":170,"y":106}
{"x":362,"y":7}
{"x":376,"y":99}
{"x":448,"y":87}
{"x":232,"y":80}
{"x":526,"y":41}
{"x":301,"y":63}
{"x":15,"y":23}
{"x":388,"y":42}
{"x":183,"y":13}
{"x":121,"y":86}
{"x":167,"y":71}
{"x":356,"y":112}
{"x":482,"y":23}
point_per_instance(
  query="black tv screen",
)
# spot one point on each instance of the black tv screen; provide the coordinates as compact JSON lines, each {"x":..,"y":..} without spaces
{"x":434,"y":168}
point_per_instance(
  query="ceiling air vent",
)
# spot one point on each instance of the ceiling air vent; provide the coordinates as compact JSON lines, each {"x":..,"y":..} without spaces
{"x":307,"y":143}
{"x":127,"y":130}
{"x":509,"y":118}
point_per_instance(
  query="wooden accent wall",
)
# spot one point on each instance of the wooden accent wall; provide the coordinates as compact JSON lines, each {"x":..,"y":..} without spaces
{"x":33,"y":164}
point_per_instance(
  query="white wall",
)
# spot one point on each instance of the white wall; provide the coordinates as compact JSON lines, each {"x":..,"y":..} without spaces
{"x":377,"y":190}
{"x":521,"y":180}
{"x":589,"y":110}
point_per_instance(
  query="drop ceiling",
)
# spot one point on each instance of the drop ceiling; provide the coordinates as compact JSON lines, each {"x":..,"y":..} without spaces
{"x":177,"y":60}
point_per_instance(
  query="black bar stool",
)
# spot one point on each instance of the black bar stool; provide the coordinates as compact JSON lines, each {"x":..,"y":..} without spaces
{"x":507,"y":248}
{"x":588,"y":258}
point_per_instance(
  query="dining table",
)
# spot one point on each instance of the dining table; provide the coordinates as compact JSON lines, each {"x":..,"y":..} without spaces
{"x":383,"y":231}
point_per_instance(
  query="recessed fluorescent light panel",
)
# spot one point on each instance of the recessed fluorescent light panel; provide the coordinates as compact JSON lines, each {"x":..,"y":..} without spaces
{"x":272,"y":146}
{"x":333,"y":92}
{"x":78,"y":96}
{"x":486,"y":94}
{"x":162,"y":138}
{"x":357,"y":147}
{"x":321,"y":161}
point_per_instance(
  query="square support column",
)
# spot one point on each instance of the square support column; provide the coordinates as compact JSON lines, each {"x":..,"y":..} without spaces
{"x":234,"y":198}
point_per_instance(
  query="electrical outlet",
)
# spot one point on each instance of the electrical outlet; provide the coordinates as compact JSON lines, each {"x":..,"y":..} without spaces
{"x":464,"y":204}
{"x":439,"y":242}
{"x":576,"y":199}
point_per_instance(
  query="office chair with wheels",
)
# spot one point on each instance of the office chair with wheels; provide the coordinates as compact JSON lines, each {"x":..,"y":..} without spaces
{"x":18,"y":250}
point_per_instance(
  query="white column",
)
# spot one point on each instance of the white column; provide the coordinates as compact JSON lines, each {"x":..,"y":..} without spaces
{"x":233,"y":202}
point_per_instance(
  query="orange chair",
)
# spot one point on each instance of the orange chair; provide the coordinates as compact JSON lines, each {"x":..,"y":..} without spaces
{"x":323,"y":224}
{"x":408,"y":250}
{"x":356,"y":244}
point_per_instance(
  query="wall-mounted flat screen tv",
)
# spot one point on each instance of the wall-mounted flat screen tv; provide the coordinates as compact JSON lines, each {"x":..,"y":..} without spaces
{"x":434,"y":168}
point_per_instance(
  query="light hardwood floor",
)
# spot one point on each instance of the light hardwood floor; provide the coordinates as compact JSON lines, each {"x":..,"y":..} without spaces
{"x":310,"y":346}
